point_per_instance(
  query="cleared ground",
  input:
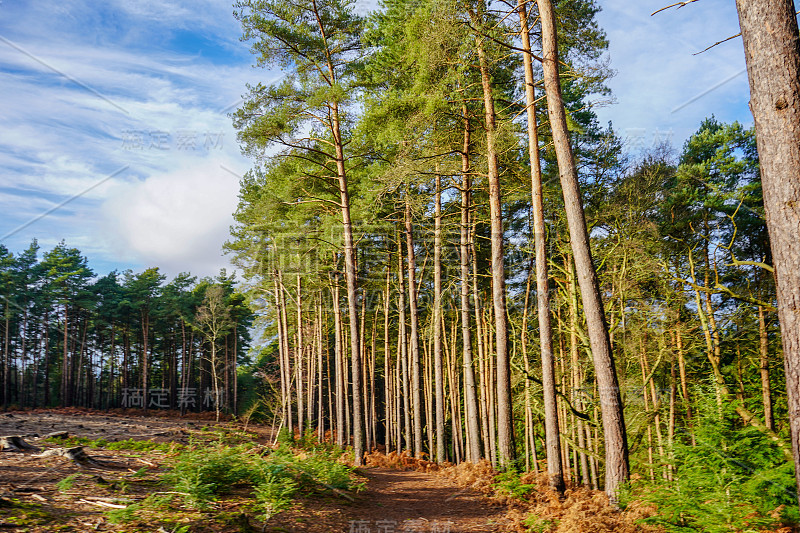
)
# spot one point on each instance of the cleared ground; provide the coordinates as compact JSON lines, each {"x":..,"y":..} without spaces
{"x":127,"y":455}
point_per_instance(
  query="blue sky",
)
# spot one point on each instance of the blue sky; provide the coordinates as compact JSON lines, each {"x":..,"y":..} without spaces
{"x":114,"y":134}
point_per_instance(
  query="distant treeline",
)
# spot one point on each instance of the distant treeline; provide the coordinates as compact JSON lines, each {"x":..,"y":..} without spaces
{"x":71,"y":338}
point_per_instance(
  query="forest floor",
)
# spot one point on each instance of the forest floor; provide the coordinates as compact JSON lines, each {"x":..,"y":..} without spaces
{"x":120,"y":485}
{"x":129,"y":453}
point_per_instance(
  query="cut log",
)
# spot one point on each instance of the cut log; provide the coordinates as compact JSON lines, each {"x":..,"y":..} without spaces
{"x":15,"y":443}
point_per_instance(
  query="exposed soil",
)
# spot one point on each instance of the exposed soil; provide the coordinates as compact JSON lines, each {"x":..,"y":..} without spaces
{"x":403,"y":501}
{"x":96,"y":425}
{"x":53,"y":493}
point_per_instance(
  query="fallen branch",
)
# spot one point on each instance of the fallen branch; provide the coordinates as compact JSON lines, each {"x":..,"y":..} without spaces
{"x":103,"y":504}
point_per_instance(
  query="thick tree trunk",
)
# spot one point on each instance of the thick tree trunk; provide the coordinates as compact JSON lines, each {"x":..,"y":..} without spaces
{"x":351,"y":276}
{"x":617,"y":465}
{"x":772,"y":53}
{"x":552,"y":438}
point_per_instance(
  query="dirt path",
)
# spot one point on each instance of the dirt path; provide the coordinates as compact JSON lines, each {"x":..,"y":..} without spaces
{"x":400,"y":502}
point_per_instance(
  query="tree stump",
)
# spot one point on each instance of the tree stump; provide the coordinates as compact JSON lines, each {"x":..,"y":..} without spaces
{"x":57,"y":435}
{"x":15,"y":443}
{"x":76,"y":455}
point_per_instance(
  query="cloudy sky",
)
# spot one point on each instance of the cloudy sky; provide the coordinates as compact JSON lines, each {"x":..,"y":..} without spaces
{"x":114,"y":134}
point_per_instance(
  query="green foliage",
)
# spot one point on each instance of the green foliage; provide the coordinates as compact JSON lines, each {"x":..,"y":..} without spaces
{"x":141,"y":445}
{"x":323,"y":468}
{"x":204,"y":473}
{"x":274,"y":493}
{"x":127,"y":444}
{"x":535,"y":524}
{"x":67,"y":483}
{"x":509,"y":484}
{"x":733,"y":479}
{"x":120,"y":516}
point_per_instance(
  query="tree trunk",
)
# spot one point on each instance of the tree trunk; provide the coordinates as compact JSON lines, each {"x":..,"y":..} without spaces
{"x":772,"y":53}
{"x":6,"y":361}
{"x":351,"y":275}
{"x":340,"y":387}
{"x":298,"y":358}
{"x":286,"y":367}
{"x":470,"y":397}
{"x":505,"y":417}
{"x":403,"y":345}
{"x":616,"y":441}
{"x":552,"y":438}
{"x":145,"y":357}
{"x":416,"y":392}
{"x":441,"y":448}
{"x":766,"y":390}
{"x":387,"y":366}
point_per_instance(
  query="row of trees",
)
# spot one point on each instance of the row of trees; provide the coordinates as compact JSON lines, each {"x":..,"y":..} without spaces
{"x":422,"y":176}
{"x":71,"y":338}
{"x":422,"y":185}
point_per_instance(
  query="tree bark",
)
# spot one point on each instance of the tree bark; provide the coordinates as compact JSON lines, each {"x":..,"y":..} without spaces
{"x":441,"y":448}
{"x":617,"y":464}
{"x":470,"y":396}
{"x":416,"y":388}
{"x":772,"y":53}
{"x":505,"y":417}
{"x":552,"y":438}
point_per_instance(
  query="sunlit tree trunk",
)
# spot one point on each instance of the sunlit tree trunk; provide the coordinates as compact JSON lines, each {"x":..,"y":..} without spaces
{"x":616,"y":441}
{"x":441,"y":445}
{"x":505,"y":429}
{"x":470,"y":396}
{"x":772,"y":53}
{"x":416,"y":386}
{"x":552,"y":438}
{"x":403,"y":345}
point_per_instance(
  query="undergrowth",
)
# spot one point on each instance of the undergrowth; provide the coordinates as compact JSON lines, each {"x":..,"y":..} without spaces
{"x":732,"y":478}
{"x":535,"y":508}
{"x":202,"y":474}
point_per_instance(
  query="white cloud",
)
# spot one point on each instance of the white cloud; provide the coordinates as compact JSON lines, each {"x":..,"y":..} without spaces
{"x":177,"y":220}
{"x":172,"y":206}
